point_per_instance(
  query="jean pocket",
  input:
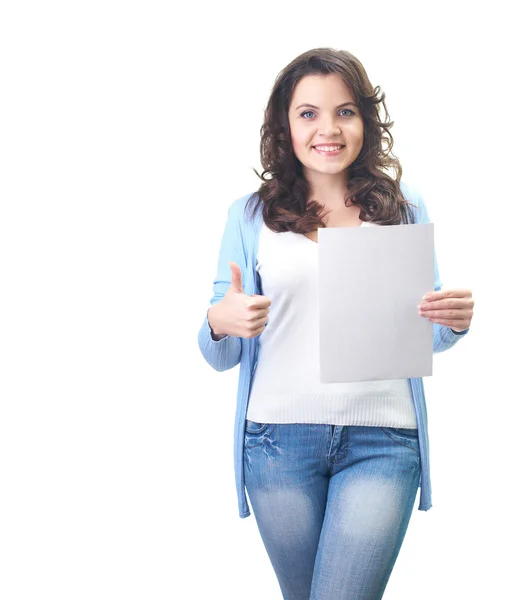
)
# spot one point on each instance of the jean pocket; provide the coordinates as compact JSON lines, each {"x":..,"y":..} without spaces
{"x":403,"y":436}
{"x":257,"y":433}
{"x":255,"y":428}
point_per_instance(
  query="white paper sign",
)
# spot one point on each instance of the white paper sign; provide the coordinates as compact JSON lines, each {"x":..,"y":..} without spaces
{"x":371,"y":280}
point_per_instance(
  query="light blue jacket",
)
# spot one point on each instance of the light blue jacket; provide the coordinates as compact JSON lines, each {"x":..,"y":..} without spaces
{"x":239,"y":244}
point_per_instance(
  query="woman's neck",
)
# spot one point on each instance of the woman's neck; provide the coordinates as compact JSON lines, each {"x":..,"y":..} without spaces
{"x":328,"y":190}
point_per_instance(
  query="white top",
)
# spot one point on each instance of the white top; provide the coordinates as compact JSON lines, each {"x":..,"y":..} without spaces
{"x":285,"y":386}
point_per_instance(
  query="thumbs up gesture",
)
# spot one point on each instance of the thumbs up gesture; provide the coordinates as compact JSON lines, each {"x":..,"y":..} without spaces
{"x":238,"y":314}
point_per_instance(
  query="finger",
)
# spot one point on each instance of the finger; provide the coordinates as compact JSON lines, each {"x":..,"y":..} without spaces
{"x":454,"y":323}
{"x":447,"y":304}
{"x":441,"y":294}
{"x":236,"y":282}
{"x":446,"y":314}
{"x":258,"y":301}
{"x":258,"y":331}
{"x":260,"y":322}
{"x":258,"y":314}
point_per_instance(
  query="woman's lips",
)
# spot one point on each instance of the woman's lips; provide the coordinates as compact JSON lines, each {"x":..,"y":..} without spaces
{"x":323,"y":152}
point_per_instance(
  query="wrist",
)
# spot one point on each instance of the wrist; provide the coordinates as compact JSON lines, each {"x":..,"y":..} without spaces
{"x":214,"y":324}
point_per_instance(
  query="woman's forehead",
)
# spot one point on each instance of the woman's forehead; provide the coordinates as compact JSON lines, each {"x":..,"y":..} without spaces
{"x":321,"y":89}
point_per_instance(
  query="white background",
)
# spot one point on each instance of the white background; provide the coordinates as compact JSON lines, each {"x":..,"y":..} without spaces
{"x":127,"y":129}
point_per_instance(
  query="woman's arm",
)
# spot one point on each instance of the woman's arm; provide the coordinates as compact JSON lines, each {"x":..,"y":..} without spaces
{"x":224,"y":352}
{"x":443,"y":336}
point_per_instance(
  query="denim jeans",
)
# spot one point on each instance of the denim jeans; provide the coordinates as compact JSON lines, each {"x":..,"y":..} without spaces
{"x":332,"y":504}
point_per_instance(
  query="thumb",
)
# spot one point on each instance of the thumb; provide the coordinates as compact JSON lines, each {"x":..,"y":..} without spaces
{"x":236,"y":283}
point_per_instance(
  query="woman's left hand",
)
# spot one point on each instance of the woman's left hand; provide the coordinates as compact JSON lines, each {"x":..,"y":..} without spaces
{"x":453,"y":308}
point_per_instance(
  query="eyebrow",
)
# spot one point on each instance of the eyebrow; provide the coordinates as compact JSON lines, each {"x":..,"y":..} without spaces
{"x":317,"y":108}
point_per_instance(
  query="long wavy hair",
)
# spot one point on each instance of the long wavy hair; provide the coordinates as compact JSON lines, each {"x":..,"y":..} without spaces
{"x":285,"y":193}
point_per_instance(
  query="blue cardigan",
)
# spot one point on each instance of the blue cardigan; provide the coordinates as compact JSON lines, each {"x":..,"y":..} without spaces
{"x":239,"y":244}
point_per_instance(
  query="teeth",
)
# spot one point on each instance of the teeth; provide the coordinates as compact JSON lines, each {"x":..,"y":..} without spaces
{"x":328,"y":148}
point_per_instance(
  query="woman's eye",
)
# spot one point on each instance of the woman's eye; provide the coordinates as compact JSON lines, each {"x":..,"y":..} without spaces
{"x":347,"y":113}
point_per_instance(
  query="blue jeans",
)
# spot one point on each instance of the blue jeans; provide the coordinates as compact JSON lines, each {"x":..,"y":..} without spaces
{"x":332,"y":504}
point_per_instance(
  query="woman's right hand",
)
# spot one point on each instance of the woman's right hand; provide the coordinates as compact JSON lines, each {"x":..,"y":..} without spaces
{"x":238,"y":314}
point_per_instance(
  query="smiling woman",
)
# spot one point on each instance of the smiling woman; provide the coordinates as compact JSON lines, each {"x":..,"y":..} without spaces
{"x":332,"y":470}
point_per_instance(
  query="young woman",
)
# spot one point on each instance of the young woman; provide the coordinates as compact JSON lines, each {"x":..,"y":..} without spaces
{"x":331,"y":470}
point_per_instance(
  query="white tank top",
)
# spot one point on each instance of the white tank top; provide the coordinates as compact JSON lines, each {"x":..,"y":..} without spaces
{"x":286,"y":387}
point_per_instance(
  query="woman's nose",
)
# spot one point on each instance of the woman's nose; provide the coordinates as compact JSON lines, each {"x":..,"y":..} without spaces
{"x":329,"y":127}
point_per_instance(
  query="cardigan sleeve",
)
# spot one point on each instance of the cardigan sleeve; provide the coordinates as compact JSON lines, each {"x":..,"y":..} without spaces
{"x":443,"y":336}
{"x":225,"y":353}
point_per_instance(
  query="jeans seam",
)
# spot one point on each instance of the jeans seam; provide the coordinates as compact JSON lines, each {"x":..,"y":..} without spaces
{"x":337,"y":458}
{"x":400,"y":443}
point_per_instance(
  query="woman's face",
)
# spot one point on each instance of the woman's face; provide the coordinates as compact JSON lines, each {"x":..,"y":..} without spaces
{"x":325,"y":125}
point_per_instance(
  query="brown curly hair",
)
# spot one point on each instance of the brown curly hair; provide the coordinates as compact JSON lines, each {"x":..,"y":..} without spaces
{"x":284,"y":193}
